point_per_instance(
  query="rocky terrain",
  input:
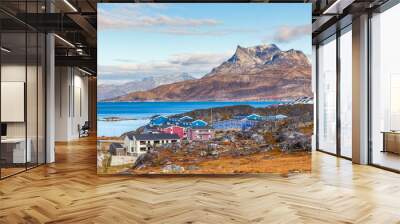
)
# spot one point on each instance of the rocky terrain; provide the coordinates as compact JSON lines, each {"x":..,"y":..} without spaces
{"x":271,"y":146}
{"x":262,"y":72}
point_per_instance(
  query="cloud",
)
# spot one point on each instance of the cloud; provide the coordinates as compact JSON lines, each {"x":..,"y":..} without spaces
{"x":286,"y":34}
{"x":134,"y":17}
{"x":152,"y":19}
{"x":197,"y":59}
{"x":190,"y":31}
{"x":124,"y":60}
{"x":196,"y":64}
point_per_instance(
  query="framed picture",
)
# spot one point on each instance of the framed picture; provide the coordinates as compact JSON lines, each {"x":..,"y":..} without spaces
{"x":204,"y":88}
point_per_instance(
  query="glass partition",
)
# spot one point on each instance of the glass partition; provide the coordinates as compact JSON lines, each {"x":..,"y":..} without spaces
{"x":327,"y":96}
{"x":31,"y":97}
{"x":13,"y":114}
{"x":22,"y":78}
{"x":385,"y":89}
{"x":346,"y":93}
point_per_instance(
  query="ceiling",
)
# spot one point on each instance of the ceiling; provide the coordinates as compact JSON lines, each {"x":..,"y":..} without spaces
{"x":75,"y":22}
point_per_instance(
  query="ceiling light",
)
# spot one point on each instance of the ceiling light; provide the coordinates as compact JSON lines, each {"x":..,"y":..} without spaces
{"x":84,"y":71}
{"x":70,"y":5}
{"x":5,"y":50}
{"x":65,"y":41}
{"x":337,"y":7}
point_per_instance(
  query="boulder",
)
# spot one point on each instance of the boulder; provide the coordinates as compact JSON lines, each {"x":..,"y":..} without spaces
{"x":144,"y":159}
{"x":192,"y":167}
{"x":172,"y":168}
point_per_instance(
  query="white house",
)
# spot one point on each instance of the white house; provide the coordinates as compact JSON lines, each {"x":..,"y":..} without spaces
{"x":140,"y":143}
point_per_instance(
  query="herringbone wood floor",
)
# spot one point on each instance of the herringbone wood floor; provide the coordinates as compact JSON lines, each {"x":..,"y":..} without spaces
{"x":69,"y":191}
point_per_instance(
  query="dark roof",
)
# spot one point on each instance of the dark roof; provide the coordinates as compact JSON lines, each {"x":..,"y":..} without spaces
{"x":114,"y":146}
{"x":150,"y":136}
{"x":201,"y":127}
{"x":169,"y":125}
{"x":148,"y":127}
{"x":166,"y":125}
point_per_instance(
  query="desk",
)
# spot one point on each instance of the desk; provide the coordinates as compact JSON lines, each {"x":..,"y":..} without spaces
{"x":13,"y":150}
{"x":391,"y":141}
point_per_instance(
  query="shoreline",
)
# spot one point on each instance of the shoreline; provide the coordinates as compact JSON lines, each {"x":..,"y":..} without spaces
{"x":115,"y":119}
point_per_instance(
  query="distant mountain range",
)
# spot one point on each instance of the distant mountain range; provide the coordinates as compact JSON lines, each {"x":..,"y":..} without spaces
{"x":262,"y":72}
{"x":108,"y":91}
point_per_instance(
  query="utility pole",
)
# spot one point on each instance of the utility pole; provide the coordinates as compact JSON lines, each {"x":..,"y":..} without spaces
{"x":211,"y":116}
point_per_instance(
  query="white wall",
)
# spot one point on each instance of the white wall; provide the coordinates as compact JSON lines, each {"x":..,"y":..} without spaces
{"x":71,"y":102}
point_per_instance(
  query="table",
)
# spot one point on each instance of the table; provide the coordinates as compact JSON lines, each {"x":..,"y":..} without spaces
{"x":391,"y":141}
{"x":13,"y":150}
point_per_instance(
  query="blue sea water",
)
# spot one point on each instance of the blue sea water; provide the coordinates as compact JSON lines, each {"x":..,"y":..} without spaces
{"x":143,"y":111}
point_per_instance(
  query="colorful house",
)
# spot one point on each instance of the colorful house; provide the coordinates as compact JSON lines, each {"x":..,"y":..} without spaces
{"x":254,"y":117}
{"x":141,"y":143}
{"x":204,"y":133}
{"x":275,"y":117}
{"x":186,"y":119}
{"x":234,"y":124}
{"x":116,"y":149}
{"x":173,"y":129}
{"x":150,"y":129}
{"x":158,"y":121}
{"x":199,"y":123}
{"x":184,"y":124}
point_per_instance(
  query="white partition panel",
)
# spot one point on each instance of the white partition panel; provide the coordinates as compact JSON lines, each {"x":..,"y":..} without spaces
{"x":12,"y":101}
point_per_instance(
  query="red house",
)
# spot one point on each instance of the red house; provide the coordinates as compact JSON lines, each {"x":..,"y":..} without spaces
{"x":200,"y":134}
{"x":173,"y":129}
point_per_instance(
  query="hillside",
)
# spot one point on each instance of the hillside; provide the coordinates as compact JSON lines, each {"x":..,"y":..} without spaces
{"x":108,"y":91}
{"x":262,"y":72}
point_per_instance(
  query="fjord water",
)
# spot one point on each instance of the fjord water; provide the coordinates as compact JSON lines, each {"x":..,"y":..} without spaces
{"x":137,"y":114}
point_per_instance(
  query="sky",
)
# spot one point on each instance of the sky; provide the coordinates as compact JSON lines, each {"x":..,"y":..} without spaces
{"x":155,"y":39}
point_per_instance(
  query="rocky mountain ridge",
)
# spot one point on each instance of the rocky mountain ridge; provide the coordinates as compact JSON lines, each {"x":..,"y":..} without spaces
{"x":262,"y":72}
{"x":108,"y":91}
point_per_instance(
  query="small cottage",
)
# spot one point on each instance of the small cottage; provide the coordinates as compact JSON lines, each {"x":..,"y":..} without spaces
{"x":199,"y":123}
{"x":141,"y":143}
{"x":205,"y":133}
{"x":158,"y":121}
{"x":116,"y":149}
{"x":173,"y":129}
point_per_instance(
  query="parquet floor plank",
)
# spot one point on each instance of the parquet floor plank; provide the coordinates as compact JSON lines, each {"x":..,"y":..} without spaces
{"x":70,"y":191}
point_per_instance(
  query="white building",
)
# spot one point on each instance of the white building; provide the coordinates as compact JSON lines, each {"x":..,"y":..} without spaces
{"x":140,"y":143}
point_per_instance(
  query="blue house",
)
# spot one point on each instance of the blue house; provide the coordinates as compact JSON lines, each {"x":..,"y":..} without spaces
{"x":173,"y":120}
{"x":159,"y":121}
{"x":184,"y":124}
{"x":228,"y":124}
{"x":186,"y":119}
{"x":275,"y":117}
{"x":254,"y":117}
{"x":236,"y":124}
{"x":199,"y":123}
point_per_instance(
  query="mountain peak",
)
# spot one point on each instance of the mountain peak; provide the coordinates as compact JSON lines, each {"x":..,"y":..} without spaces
{"x":246,"y":59}
{"x":290,"y":57}
{"x":243,"y":56}
{"x":253,"y":55}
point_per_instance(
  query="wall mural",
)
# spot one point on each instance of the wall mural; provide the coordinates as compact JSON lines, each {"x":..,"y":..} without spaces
{"x":204,"y":88}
